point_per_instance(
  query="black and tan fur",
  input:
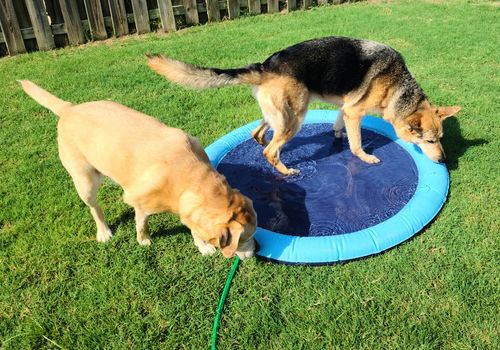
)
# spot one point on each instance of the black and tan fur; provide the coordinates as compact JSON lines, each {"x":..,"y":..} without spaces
{"x":360,"y":76}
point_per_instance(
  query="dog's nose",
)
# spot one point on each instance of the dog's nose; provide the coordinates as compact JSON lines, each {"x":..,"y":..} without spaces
{"x":441,"y":158}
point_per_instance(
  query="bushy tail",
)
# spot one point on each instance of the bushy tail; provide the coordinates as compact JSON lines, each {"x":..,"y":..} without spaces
{"x":200,"y":77}
{"x":43,"y":97}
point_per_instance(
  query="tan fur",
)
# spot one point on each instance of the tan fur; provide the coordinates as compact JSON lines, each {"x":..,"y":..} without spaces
{"x":375,"y":100}
{"x":283,"y":101}
{"x":160,"y":169}
{"x":189,"y":75}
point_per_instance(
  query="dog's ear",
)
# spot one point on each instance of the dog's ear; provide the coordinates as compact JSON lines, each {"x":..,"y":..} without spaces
{"x":415,"y":123}
{"x":229,"y":238}
{"x":446,"y":112}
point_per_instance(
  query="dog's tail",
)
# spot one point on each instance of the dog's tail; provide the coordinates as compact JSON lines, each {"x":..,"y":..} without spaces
{"x":201,"y":77}
{"x":44,"y":97}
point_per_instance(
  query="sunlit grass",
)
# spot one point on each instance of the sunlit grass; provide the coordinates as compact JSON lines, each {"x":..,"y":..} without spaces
{"x":59,"y":287}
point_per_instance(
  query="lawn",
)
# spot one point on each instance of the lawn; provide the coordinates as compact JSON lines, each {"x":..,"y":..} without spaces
{"x":59,"y":288}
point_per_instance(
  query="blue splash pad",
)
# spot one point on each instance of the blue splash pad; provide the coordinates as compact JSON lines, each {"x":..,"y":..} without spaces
{"x":334,"y":193}
{"x":338,"y":207}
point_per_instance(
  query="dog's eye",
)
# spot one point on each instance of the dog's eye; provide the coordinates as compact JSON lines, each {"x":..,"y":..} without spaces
{"x":431,"y":141}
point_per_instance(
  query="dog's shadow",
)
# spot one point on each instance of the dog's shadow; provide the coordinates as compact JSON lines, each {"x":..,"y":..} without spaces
{"x":454,"y":144}
{"x":128,"y":215}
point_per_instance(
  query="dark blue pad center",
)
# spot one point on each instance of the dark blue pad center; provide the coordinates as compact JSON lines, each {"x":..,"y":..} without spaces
{"x":335,"y":192}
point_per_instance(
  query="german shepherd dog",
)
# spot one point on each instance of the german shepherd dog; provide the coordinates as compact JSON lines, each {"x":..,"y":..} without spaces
{"x":360,"y":76}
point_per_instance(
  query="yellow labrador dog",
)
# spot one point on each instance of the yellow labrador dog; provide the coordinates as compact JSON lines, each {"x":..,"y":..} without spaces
{"x":160,"y":169}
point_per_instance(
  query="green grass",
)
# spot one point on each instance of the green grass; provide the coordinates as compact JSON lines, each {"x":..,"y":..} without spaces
{"x":60,"y":288}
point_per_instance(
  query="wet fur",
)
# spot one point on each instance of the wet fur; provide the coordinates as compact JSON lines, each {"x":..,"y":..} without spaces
{"x":360,"y":76}
{"x":159,"y":168}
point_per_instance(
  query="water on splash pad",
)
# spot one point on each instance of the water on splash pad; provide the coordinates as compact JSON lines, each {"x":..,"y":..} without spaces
{"x":334,"y":193}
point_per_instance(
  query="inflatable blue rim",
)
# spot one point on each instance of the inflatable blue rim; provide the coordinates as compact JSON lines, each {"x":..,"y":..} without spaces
{"x":429,"y":197}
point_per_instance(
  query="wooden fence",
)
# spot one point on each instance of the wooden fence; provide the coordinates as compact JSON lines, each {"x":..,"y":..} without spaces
{"x":29,"y":25}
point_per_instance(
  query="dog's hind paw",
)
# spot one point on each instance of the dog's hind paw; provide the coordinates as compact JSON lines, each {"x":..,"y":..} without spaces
{"x":291,"y":172}
{"x":339,"y":134}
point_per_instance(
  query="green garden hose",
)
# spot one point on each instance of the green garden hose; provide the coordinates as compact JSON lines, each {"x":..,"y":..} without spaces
{"x":222,"y":299}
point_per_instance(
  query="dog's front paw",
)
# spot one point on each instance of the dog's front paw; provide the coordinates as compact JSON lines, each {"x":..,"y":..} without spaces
{"x":144,"y":241}
{"x":369,"y":158}
{"x":246,"y":254}
{"x":246,"y":249}
{"x":206,"y":249}
{"x":104,"y":235}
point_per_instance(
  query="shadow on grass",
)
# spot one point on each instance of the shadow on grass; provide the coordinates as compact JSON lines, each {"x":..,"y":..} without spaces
{"x":455,"y":145}
{"x":171,"y":231}
{"x":129,"y":215}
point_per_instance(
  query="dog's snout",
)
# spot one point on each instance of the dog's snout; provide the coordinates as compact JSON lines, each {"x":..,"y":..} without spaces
{"x":438,"y":159}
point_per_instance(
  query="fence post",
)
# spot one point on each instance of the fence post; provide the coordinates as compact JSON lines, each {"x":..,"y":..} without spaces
{"x":40,"y":23}
{"x":10,"y":28}
{"x":213,"y":11}
{"x":254,"y":7}
{"x":306,"y":4}
{"x":291,"y":5}
{"x":273,"y":6}
{"x":322,"y":2}
{"x":233,"y":8}
{"x":167,"y":15}
{"x":72,"y":22}
{"x":141,"y":16}
{"x":118,"y":17}
{"x":191,"y":12}
{"x":96,"y":19}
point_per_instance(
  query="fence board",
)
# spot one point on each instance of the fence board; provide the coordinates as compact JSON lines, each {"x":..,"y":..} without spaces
{"x":72,"y":21}
{"x":141,"y":16}
{"x":322,"y":2}
{"x":24,"y":22}
{"x":254,"y":7}
{"x":96,"y":19}
{"x":40,"y":23}
{"x":191,"y":12}
{"x":272,"y":6}
{"x":233,"y":8}
{"x":213,"y":11}
{"x":306,"y":4}
{"x":291,"y":5}
{"x":105,"y":8}
{"x":167,"y":15}
{"x":82,"y":10}
{"x":10,"y":28}
{"x":118,"y":17}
